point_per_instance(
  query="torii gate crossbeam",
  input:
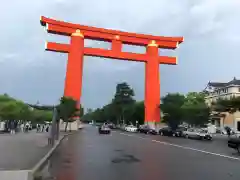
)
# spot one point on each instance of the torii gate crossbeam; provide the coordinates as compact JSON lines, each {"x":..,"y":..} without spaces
{"x":76,"y":52}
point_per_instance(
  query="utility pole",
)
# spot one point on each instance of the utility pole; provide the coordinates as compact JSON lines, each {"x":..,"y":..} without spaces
{"x":54,"y":129}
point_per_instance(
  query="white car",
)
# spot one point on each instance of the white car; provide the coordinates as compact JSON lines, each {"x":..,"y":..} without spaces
{"x":131,"y":128}
{"x":197,"y":133}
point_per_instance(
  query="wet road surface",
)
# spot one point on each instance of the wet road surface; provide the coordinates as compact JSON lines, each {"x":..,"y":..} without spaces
{"x":90,"y":156}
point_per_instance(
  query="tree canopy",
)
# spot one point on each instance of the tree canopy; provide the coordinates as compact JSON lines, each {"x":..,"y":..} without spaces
{"x":123,"y":108}
{"x":171,"y":106}
{"x":13,"y":109}
{"x":176,"y":108}
{"x":195,"y":110}
{"x":226,"y":105}
{"x":68,"y":111}
{"x":190,"y":109}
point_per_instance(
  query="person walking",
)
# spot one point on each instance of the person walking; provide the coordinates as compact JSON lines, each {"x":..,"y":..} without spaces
{"x":12,"y":127}
{"x":49,"y":132}
{"x":27,"y":127}
{"x":22,"y":127}
{"x":43,"y":127}
{"x":38,"y":128}
{"x":228,"y":129}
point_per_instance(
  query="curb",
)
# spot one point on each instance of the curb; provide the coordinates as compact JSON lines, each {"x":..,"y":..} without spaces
{"x":42,"y":162}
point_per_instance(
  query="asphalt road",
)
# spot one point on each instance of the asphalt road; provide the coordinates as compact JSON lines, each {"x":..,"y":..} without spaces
{"x":22,"y":151}
{"x":88,"y":155}
{"x":218,"y":145}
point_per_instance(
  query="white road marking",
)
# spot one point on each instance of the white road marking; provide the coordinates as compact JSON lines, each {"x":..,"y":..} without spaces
{"x":183,"y":147}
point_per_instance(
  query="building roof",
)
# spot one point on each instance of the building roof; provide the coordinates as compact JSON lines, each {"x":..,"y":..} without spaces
{"x":223,"y":84}
{"x":234,"y":82}
{"x":212,"y":85}
{"x":43,"y":107}
{"x":217,"y":84}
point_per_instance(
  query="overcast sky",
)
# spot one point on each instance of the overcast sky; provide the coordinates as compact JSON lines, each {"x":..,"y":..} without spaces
{"x":210,"y":51}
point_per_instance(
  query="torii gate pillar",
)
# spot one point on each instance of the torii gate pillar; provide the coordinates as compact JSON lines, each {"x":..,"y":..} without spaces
{"x":152,"y":86}
{"x":73,"y":80}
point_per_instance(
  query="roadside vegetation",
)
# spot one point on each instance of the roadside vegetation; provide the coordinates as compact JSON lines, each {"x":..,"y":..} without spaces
{"x":123,"y":108}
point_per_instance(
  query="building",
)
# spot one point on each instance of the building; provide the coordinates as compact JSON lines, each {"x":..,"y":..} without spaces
{"x":226,"y":90}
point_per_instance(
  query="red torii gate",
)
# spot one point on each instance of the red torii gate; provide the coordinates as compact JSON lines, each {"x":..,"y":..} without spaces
{"x":76,"y":51}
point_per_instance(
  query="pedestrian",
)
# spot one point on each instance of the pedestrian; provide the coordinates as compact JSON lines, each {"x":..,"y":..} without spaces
{"x":27,"y":127}
{"x":15,"y":126}
{"x":47,"y":128}
{"x":43,"y":127}
{"x":49,"y":132}
{"x":228,"y":129}
{"x":12,"y":127}
{"x":22,"y":127}
{"x":38,"y":127}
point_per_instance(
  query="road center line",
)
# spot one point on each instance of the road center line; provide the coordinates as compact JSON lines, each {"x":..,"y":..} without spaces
{"x":183,"y":147}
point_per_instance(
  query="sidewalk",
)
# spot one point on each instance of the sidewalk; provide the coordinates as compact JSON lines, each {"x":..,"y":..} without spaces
{"x":22,"y":151}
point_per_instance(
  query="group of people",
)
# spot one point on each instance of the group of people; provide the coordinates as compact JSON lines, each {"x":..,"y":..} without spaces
{"x":14,"y":126}
{"x":42,"y":127}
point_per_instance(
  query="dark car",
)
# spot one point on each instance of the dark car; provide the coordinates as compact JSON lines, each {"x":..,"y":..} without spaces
{"x":147,"y":130}
{"x":167,"y":131}
{"x":234,"y":142}
{"x":104,"y":129}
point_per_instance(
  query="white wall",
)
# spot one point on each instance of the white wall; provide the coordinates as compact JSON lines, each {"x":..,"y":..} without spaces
{"x":73,"y":126}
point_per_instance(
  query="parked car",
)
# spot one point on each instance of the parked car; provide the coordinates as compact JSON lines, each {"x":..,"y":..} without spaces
{"x":179,"y":131}
{"x":234,"y":142}
{"x":197,"y":133}
{"x":167,"y":131}
{"x":122,"y":127}
{"x":131,"y":128}
{"x":112,"y":126}
{"x":104,"y":129}
{"x":147,"y":130}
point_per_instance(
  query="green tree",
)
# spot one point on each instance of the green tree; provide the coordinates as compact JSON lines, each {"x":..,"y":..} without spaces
{"x":97,"y":115}
{"x":195,"y":110}
{"x":81,"y":113}
{"x":122,"y":106}
{"x":67,"y":110}
{"x":41,"y":116}
{"x":171,"y":106}
{"x":123,"y":97}
{"x":226,"y":105}
{"x":138,"y":114}
{"x":14,"y":110}
{"x":5,"y":98}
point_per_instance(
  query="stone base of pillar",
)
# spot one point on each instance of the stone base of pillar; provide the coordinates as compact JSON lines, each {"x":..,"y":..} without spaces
{"x":72,"y":126}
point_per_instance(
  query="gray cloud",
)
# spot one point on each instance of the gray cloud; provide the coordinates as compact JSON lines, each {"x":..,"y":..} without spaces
{"x":210,"y":50}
